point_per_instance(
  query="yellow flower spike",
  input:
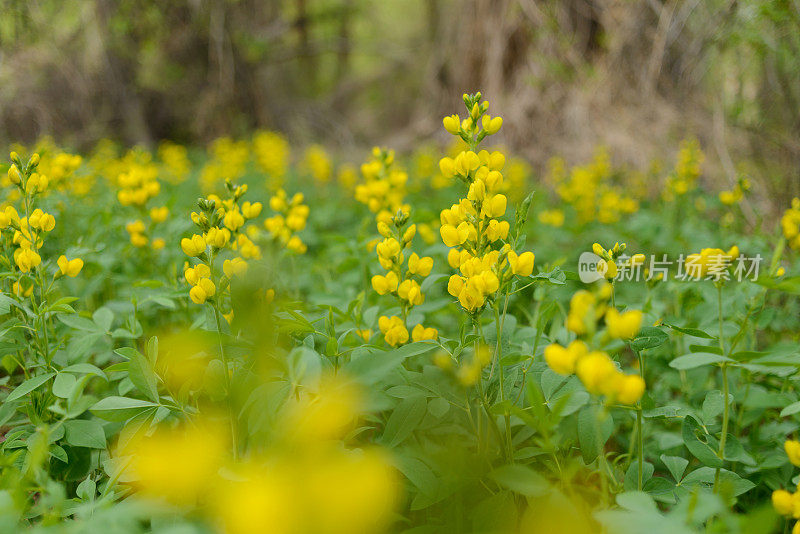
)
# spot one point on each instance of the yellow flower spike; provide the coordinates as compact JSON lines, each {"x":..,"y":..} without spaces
{"x":452,"y":124}
{"x":792,"y":448}
{"x":629,"y":389}
{"x":623,"y":325}
{"x":596,"y":371}
{"x":193,"y":246}
{"x":782,"y":502}
{"x":521,"y":265}
{"x":69,"y":268}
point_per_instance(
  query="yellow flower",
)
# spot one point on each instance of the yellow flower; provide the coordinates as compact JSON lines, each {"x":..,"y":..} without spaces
{"x":562,"y":360}
{"x":233,"y":220}
{"x":385,"y":284}
{"x":410,"y":291}
{"x":193,"y":246}
{"x":178,"y":465}
{"x":251,"y":210}
{"x":69,"y":268}
{"x":596,"y":371}
{"x":452,"y":124}
{"x":623,"y":325}
{"x":494,"y":206}
{"x":453,"y":236}
{"x":793,"y":451}
{"x":158,"y":215}
{"x":194,"y":274}
{"x":492,"y":124}
{"x":628,"y":388}
{"x":420,"y":266}
{"x":204,"y":289}
{"x":234,"y":267}
{"x":26,"y":259}
{"x":782,"y":502}
{"x":710,"y":261}
{"x":521,"y":265}
{"x":420,"y":333}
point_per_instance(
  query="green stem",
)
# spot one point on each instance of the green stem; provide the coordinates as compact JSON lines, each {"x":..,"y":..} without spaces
{"x":725,"y":392}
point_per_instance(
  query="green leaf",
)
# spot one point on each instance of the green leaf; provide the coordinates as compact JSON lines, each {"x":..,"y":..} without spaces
{"x":649,"y":337}
{"x":704,"y":449}
{"x":521,"y":479}
{"x":696,"y":332}
{"x":404,"y":419}
{"x":127,"y":352}
{"x":372,"y":365}
{"x":63,"y":384}
{"x":793,"y":408}
{"x":438,"y":407}
{"x":103,"y":317}
{"x":80,"y":323}
{"x":143,"y":376}
{"x":594,"y":428}
{"x":85,"y":433}
{"x":120,"y":408}
{"x":29,"y":385}
{"x":676,"y":465}
{"x":697,"y":359}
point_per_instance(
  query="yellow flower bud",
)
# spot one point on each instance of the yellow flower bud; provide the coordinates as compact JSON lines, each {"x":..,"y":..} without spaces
{"x":793,"y":451}
{"x":782,"y":502}
{"x":452,"y":124}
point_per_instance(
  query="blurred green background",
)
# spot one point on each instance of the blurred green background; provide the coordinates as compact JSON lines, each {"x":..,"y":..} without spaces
{"x":567,"y":76}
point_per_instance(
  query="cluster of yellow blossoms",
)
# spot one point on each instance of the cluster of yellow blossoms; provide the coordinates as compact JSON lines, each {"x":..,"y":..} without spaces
{"x":138,"y":184}
{"x":140,"y":233}
{"x":291,"y":217}
{"x":308,"y":479}
{"x":735,"y":195}
{"x":607,"y":264}
{"x":29,"y":230}
{"x":595,"y":369}
{"x":687,"y":170}
{"x":784,"y":502}
{"x":227,"y":161}
{"x":384,"y":186}
{"x":318,"y":164}
{"x":272,"y":153}
{"x":790,"y":224}
{"x":220,"y":223}
{"x":175,"y":161}
{"x":590,"y":190}
{"x":472,"y":227}
{"x":399,"y":282}
{"x":710,"y":262}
